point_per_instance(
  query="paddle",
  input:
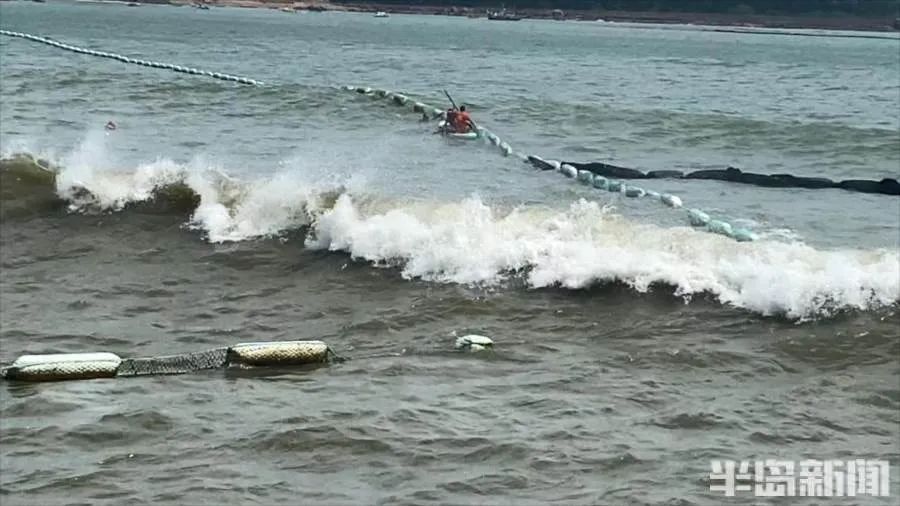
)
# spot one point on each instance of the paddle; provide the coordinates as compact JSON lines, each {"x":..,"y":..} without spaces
{"x":451,"y":100}
{"x":443,"y":129}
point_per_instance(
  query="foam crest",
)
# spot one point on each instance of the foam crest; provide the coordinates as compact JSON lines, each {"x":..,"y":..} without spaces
{"x":469,"y":242}
{"x":473,"y":242}
{"x":233,"y":211}
{"x":13,"y":146}
{"x":89,"y":177}
{"x":227,"y":208}
{"x":431,"y":241}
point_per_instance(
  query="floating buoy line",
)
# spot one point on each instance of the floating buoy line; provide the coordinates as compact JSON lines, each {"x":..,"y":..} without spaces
{"x":96,"y":365}
{"x":134,"y":61}
{"x":696,"y":217}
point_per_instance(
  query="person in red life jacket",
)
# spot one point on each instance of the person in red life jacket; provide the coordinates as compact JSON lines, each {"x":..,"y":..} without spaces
{"x":462,"y":122}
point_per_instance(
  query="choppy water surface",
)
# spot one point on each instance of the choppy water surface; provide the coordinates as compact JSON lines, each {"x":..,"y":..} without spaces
{"x":631,"y":349}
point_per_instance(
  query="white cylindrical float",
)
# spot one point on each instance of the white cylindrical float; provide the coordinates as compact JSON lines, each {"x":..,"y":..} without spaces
{"x":719,"y":227}
{"x":474,"y":342}
{"x":743,"y":235}
{"x":698,"y":218}
{"x":634,"y":191}
{"x":63,"y":366}
{"x":566,"y":170}
{"x":278,"y":353}
{"x":670,"y":200}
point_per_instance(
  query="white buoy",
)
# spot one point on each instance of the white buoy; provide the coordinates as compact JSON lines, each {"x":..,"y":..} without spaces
{"x":670,"y":200}
{"x":278,"y":353}
{"x":719,"y":227}
{"x":634,"y":191}
{"x":744,"y":235}
{"x":474,"y":342}
{"x":567,"y":170}
{"x":64,"y":366}
{"x":698,"y":218}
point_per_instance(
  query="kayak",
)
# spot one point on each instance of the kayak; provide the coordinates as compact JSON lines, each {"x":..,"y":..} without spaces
{"x":467,"y":136}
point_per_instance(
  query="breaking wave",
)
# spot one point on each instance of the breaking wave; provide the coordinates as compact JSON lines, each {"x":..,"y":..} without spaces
{"x":468,"y":241}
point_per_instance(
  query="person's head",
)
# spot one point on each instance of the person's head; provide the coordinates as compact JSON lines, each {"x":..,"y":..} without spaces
{"x":462,"y":108}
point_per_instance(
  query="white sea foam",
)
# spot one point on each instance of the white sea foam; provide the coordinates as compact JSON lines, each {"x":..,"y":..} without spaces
{"x":469,"y":242}
{"x":232,"y":211}
{"x":12,"y":146}
{"x":90,"y":166}
{"x":472,"y":242}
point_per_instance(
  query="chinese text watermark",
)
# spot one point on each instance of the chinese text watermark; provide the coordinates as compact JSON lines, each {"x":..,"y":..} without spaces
{"x":806,"y":478}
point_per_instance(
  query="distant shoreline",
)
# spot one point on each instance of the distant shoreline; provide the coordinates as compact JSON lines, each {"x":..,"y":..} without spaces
{"x":723,"y":20}
{"x":682,"y":18}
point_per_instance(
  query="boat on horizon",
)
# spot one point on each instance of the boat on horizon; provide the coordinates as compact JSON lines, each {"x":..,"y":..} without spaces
{"x":503,"y":15}
{"x":382,"y":14}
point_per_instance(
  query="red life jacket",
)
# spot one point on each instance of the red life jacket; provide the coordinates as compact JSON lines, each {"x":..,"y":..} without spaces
{"x":461,"y":122}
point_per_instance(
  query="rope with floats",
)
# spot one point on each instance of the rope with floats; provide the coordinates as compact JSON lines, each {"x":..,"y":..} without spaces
{"x":83,"y":366}
{"x":696,"y":217}
{"x":125,"y":59}
{"x":886,"y":186}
